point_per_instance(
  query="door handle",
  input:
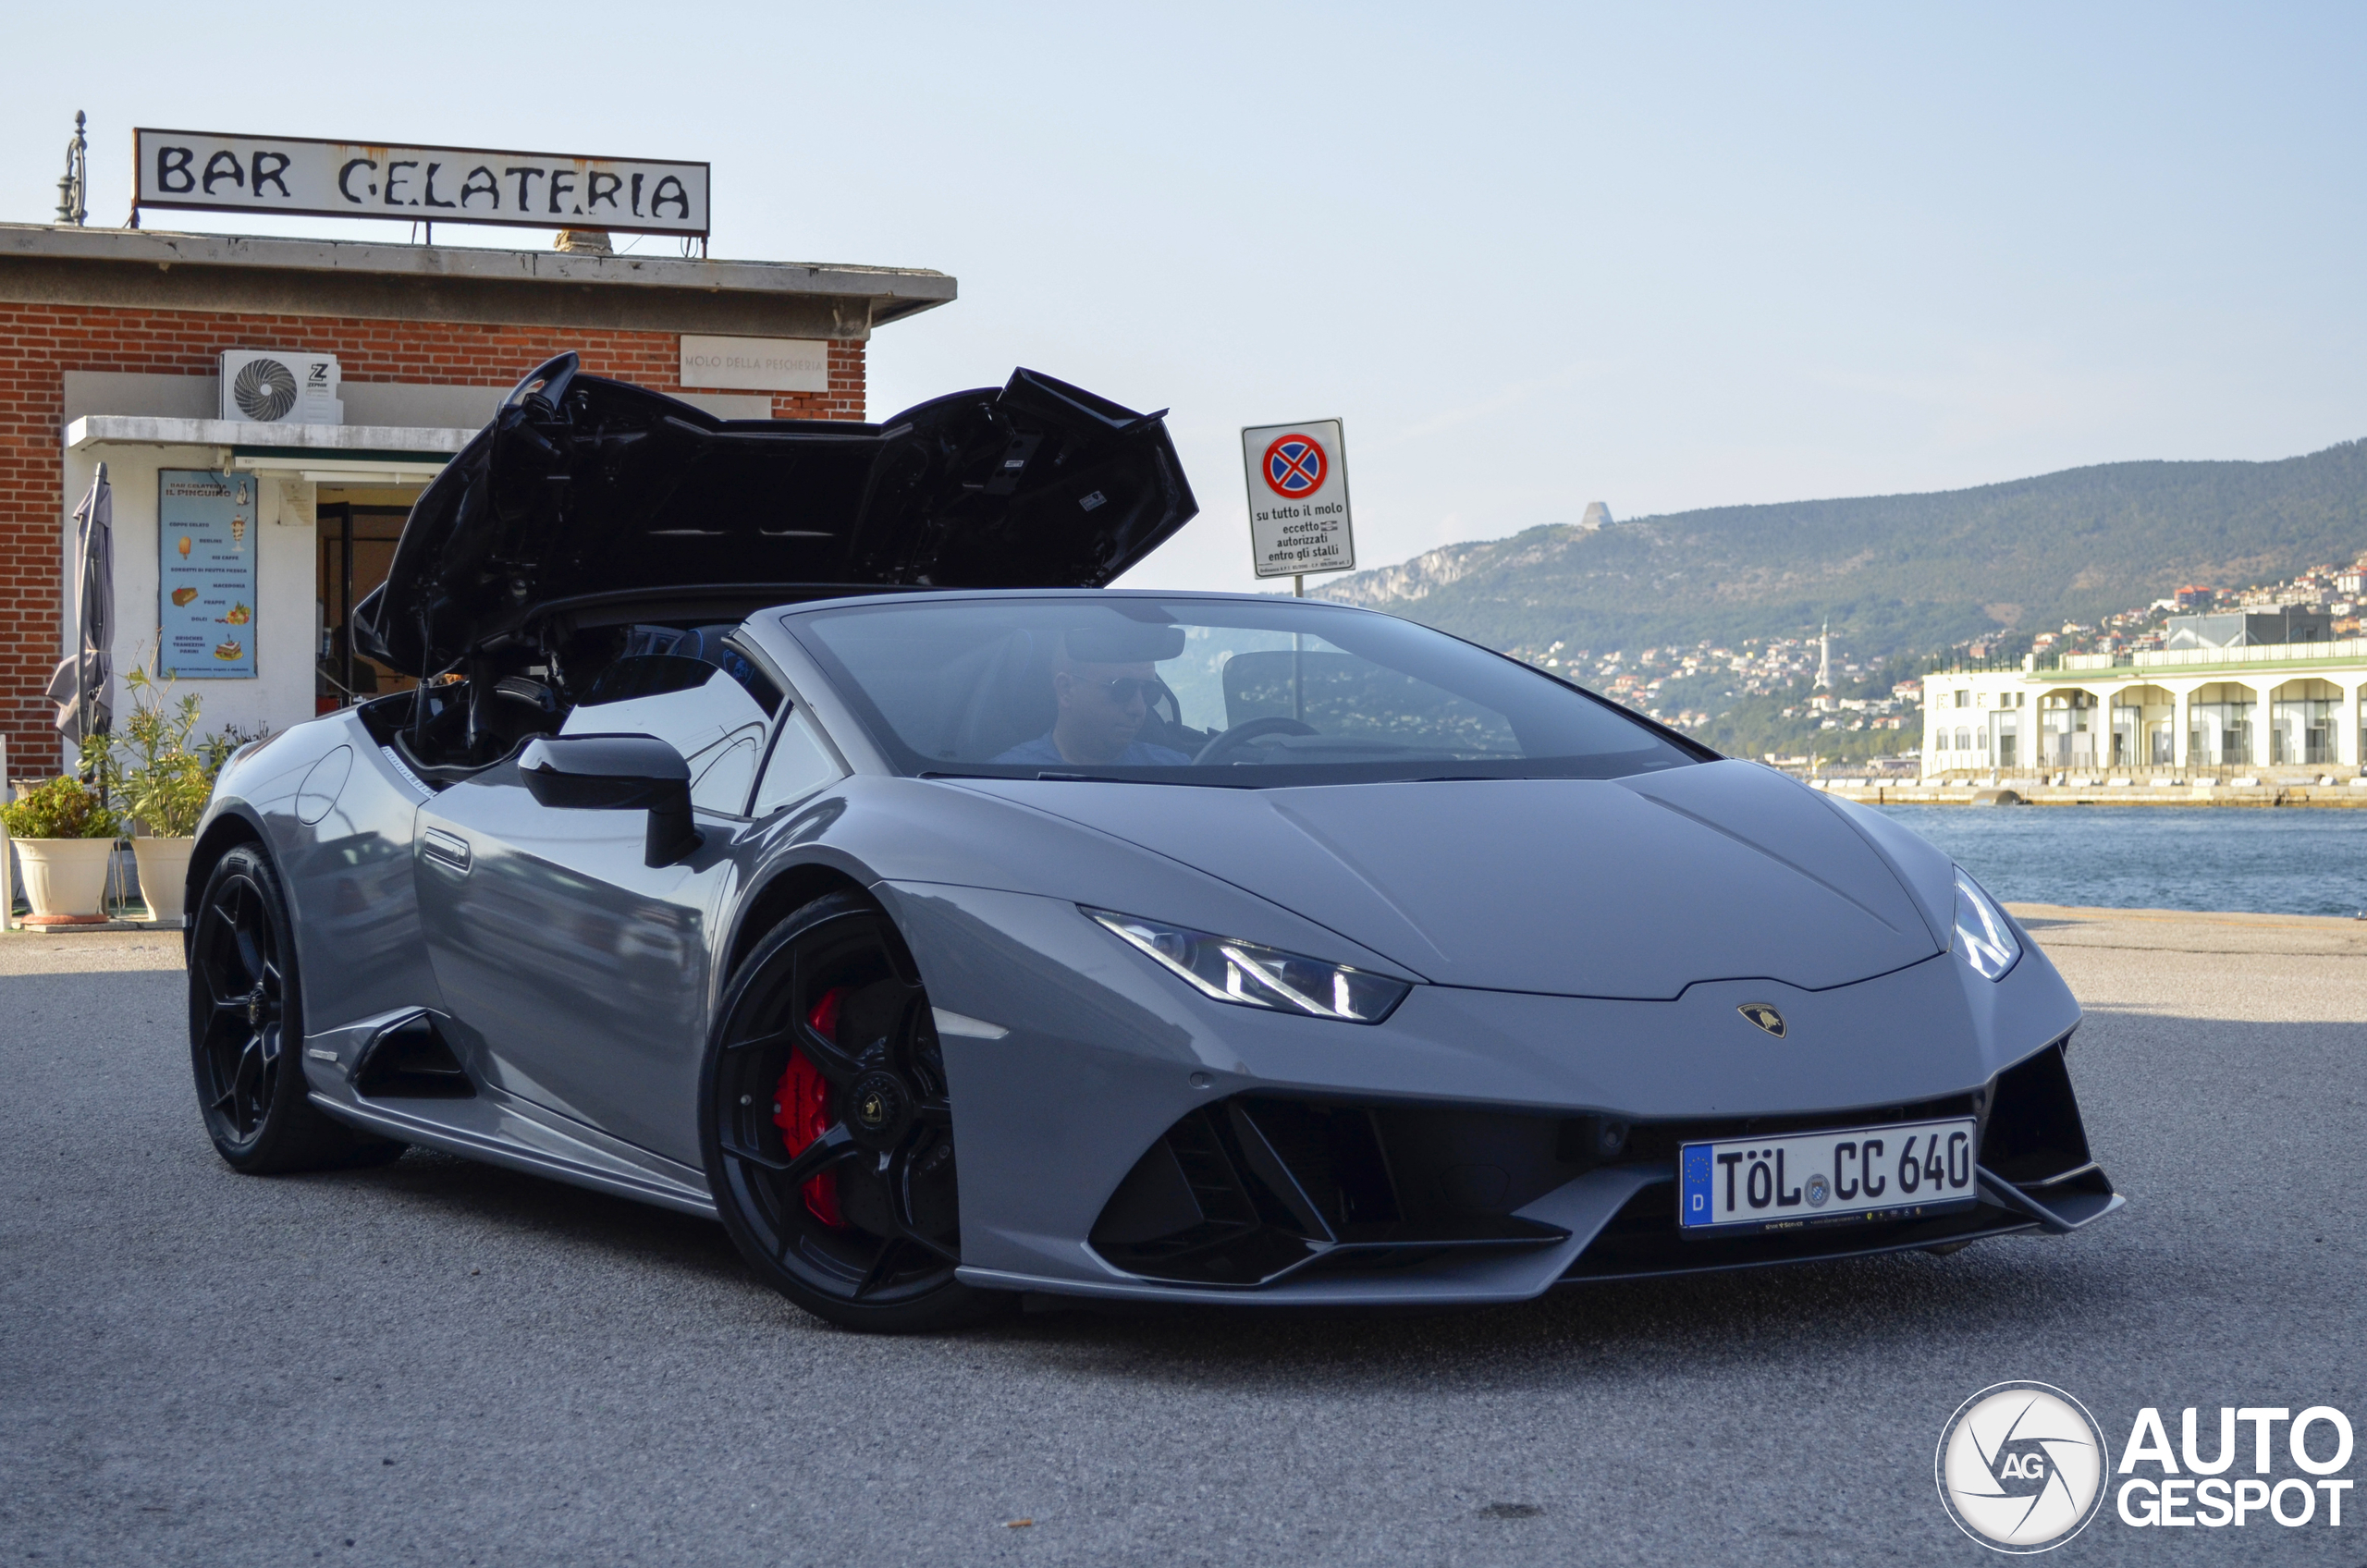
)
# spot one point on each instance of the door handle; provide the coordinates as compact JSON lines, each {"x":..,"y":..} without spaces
{"x":448,"y":848}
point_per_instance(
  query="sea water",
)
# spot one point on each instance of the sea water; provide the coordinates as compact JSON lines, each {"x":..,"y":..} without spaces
{"x":2273,"y":861}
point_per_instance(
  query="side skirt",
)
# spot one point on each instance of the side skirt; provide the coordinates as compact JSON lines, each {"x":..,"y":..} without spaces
{"x":484,"y":1129}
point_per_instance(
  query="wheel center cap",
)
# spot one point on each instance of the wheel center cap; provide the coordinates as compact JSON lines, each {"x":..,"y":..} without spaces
{"x":255,"y":1010}
{"x":876,"y":1108}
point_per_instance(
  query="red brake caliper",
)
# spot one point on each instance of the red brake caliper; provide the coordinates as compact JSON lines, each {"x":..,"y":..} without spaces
{"x":802,"y":1109}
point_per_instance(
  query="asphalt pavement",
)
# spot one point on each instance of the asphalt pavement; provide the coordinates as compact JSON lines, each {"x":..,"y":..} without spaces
{"x":443,"y":1363}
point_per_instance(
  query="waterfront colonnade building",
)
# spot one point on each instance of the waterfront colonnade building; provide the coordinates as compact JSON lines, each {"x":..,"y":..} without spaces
{"x":2290,"y":710}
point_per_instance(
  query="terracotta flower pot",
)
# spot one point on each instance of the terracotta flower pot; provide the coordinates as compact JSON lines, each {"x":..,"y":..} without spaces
{"x":164,"y":874}
{"x":66,"y":880}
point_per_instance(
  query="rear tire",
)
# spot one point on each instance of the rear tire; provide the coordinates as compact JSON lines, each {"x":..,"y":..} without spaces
{"x":246,"y":1031}
{"x":828,"y":1132}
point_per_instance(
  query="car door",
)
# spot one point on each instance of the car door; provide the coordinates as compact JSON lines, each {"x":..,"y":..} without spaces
{"x":579,"y":972}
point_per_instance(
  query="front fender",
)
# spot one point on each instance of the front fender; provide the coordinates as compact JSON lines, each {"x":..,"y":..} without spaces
{"x":338,"y":830}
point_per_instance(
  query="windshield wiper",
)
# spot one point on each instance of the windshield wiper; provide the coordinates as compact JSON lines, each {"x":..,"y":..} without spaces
{"x":1050,"y":775}
{"x":1057,"y":777}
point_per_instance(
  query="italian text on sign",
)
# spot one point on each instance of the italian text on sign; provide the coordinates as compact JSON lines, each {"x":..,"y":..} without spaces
{"x":1298,"y":499}
{"x":338,"y":179}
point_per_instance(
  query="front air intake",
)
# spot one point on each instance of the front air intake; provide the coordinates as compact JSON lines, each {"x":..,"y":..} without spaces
{"x":2034,"y":1131}
{"x":1245,"y":1192}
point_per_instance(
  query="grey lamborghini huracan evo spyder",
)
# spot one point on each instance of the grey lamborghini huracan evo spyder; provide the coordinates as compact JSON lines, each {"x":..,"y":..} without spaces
{"x":786,"y":827}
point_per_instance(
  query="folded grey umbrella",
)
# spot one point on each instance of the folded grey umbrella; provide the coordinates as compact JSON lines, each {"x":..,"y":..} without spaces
{"x":81,"y":682}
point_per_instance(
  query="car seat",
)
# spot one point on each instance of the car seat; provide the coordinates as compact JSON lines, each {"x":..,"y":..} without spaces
{"x":997,"y":697}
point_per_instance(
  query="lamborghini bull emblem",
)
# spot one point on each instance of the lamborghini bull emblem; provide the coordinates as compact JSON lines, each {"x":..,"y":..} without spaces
{"x":1766,"y":1017}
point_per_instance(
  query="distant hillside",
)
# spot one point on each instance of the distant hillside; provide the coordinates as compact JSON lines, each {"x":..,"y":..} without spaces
{"x":1896,"y":573}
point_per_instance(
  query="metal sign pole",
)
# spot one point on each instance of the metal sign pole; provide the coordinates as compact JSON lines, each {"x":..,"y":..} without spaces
{"x":1298,"y":645}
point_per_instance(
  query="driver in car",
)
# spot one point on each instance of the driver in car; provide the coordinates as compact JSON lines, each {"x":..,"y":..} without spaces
{"x":1103,"y":680}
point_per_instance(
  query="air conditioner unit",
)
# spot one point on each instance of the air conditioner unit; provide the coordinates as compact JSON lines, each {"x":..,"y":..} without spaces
{"x":277,"y":386}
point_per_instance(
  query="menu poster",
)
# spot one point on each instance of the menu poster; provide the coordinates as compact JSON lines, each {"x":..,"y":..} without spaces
{"x":205,"y":575}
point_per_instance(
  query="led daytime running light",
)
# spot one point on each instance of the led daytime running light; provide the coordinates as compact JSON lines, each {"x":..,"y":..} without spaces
{"x":1985,"y":938}
{"x":1246,"y":974}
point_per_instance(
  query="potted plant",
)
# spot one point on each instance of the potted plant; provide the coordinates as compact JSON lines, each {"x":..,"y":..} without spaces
{"x":65,"y":837}
{"x":162,"y":782}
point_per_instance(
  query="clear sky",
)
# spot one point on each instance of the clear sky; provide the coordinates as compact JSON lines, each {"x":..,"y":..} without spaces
{"x":1659,"y":256}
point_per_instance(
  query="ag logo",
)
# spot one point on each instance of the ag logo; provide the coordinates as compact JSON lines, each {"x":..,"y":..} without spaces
{"x":1766,"y":1017}
{"x":2021,"y":1467}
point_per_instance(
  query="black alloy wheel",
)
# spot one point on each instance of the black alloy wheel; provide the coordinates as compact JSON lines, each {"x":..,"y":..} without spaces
{"x":829,"y":1131}
{"x":246,"y":1030}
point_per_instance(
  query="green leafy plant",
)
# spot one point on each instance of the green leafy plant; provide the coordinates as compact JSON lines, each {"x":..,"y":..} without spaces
{"x":169,"y":795}
{"x":63,"y":808}
{"x":226,"y":742}
{"x":158,"y":768}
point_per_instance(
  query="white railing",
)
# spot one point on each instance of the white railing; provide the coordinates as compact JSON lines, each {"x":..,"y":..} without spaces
{"x":2188,"y":659}
{"x":2270,"y":652}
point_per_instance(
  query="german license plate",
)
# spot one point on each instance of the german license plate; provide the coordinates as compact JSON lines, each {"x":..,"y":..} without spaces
{"x":1798,"y":1180}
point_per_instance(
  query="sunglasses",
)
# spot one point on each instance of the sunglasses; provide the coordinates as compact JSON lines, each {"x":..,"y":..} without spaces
{"x":1125,"y":689}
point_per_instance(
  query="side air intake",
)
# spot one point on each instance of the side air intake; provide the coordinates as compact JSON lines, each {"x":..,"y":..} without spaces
{"x":410,"y":1060}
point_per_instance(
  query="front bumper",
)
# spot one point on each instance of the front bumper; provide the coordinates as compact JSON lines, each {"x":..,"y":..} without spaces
{"x":1265,"y":1199}
{"x":1482,"y":1102}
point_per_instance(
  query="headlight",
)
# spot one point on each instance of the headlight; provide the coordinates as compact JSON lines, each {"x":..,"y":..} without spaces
{"x":1982,"y":937}
{"x":1249,"y":976}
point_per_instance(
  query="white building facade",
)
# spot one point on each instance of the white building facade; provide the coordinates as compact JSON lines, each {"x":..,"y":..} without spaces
{"x":2290,"y":711}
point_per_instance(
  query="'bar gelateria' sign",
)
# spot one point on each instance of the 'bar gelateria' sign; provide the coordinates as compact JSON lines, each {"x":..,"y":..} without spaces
{"x":346,"y":180}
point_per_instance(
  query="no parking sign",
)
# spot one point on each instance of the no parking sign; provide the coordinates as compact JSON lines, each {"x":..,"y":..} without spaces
{"x":1298,"y":499}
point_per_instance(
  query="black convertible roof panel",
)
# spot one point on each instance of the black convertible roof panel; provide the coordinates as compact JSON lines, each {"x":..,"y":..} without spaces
{"x":584,"y":489}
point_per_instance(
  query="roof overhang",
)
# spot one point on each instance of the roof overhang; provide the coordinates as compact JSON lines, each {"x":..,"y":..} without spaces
{"x":48,"y":263}
{"x":326,"y":454}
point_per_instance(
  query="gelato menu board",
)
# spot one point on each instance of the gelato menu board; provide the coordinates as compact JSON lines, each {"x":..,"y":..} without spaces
{"x":206,"y":578}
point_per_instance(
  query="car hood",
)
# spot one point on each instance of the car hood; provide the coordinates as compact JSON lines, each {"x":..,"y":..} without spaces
{"x":586,"y":493}
{"x":1633,"y":887}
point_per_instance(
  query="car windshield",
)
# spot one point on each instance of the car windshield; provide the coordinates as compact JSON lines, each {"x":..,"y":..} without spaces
{"x":1239,"y":692}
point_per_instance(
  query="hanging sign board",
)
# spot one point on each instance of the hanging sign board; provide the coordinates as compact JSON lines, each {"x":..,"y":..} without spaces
{"x":1298,"y":499}
{"x":205,"y":573}
{"x":211,"y":171}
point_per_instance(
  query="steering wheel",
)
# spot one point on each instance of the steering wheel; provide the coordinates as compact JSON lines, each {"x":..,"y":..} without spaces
{"x":1223,"y":746}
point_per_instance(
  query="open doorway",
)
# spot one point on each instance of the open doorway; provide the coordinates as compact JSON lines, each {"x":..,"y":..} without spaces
{"x":358,"y":529}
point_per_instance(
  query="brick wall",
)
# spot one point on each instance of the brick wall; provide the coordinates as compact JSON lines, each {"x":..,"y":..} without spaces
{"x":40,"y":343}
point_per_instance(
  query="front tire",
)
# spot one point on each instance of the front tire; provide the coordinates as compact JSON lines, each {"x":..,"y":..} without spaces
{"x":827,"y":1130}
{"x":246,"y":1031}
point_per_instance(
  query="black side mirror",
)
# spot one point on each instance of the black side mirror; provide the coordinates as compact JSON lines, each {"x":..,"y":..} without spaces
{"x":616,"y":772}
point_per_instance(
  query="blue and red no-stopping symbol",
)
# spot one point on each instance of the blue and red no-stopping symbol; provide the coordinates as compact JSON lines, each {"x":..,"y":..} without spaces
{"x":1295,"y":466}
